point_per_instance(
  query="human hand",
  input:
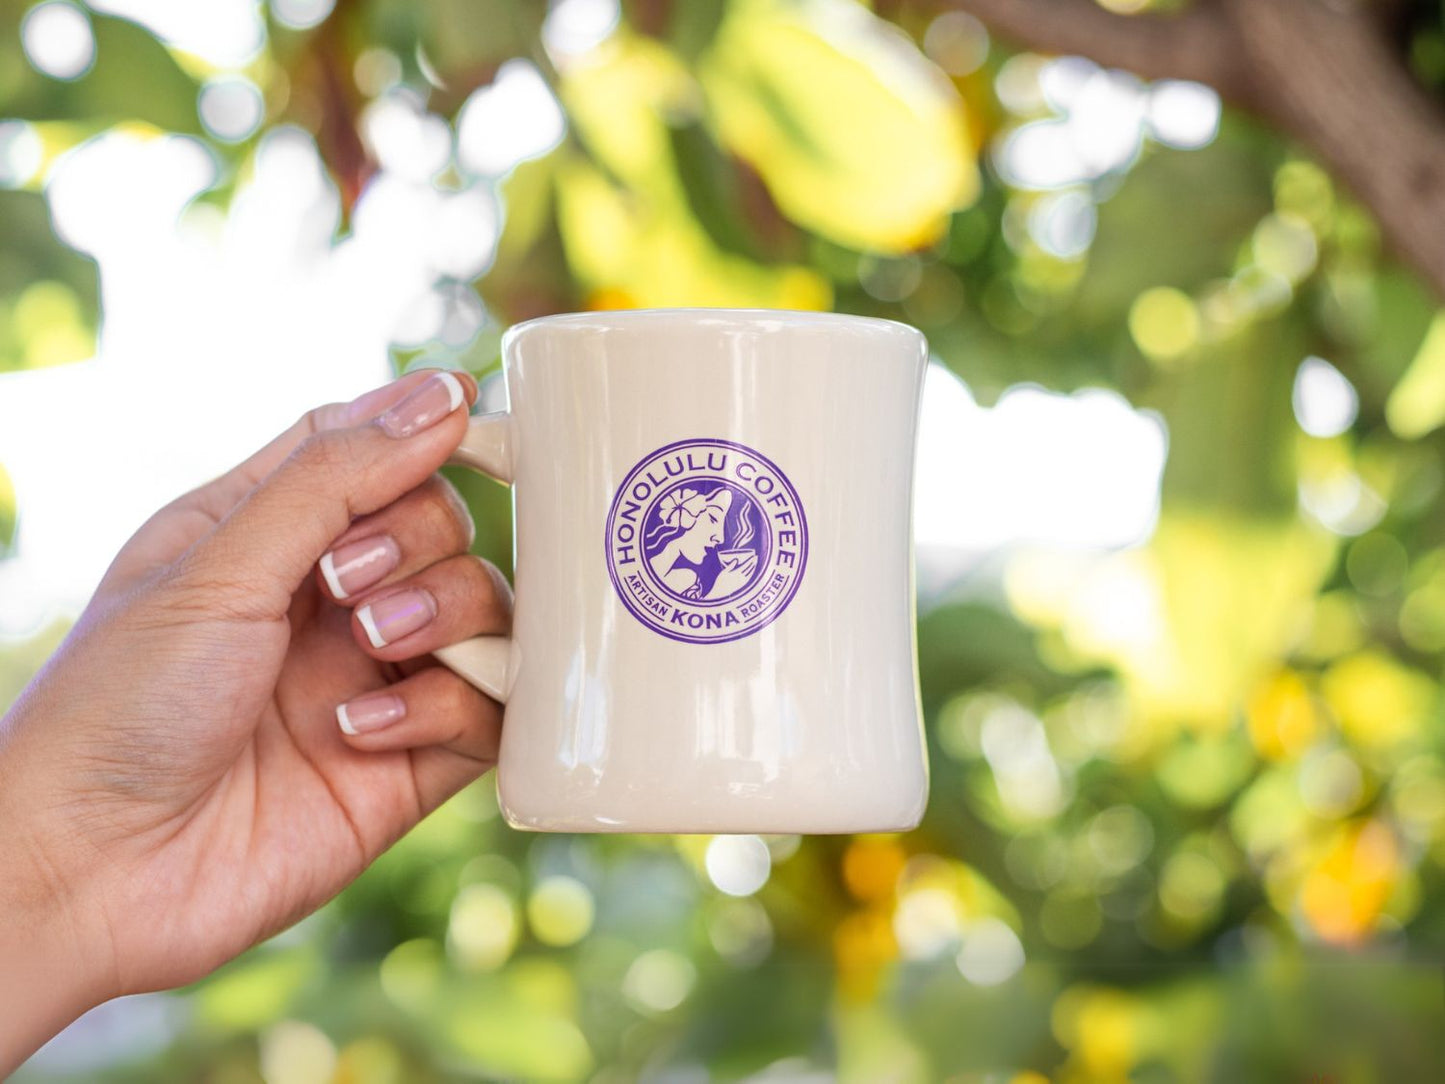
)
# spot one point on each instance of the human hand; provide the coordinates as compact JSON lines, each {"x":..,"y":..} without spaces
{"x":174,"y":784}
{"x":737,"y":572}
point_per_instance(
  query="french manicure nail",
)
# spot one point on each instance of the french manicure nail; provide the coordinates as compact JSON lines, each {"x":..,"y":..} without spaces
{"x":429,"y":403}
{"x":368,"y":713}
{"x":357,"y":565}
{"x":388,"y":619}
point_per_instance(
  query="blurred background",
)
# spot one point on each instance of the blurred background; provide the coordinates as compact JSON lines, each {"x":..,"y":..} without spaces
{"x":1181,"y":572}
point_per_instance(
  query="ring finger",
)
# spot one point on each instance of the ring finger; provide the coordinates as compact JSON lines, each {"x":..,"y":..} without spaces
{"x":424,"y":526}
{"x":443,"y":604}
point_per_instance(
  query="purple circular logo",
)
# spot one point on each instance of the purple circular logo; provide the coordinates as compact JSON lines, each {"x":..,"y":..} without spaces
{"x":706,"y":541}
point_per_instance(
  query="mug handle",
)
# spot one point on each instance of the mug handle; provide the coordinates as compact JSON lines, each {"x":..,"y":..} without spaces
{"x":487,"y":662}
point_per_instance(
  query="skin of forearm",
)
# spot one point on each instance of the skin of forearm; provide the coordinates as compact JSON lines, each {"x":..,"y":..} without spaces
{"x":49,"y":973}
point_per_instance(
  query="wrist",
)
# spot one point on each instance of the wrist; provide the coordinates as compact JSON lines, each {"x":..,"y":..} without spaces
{"x":52,"y":967}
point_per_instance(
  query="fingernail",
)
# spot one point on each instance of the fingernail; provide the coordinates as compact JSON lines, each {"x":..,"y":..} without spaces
{"x":432,"y":401}
{"x":357,"y":565}
{"x":368,"y":713}
{"x":388,"y":619}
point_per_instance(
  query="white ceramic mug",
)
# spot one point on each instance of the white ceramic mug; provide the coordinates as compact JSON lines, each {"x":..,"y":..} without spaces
{"x":714,"y":621}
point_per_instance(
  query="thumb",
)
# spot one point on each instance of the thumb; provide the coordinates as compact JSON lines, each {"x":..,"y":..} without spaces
{"x":265,"y":547}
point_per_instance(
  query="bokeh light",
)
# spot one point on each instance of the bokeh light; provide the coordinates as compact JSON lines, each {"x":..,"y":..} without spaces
{"x":1165,"y":323}
{"x":560,"y":910}
{"x":991,"y":953}
{"x":1183,"y":114}
{"x":301,"y":14}
{"x":738,"y":865}
{"x":741,"y":932}
{"x":927,"y":923}
{"x":1325,"y":403}
{"x":21,"y":153}
{"x":574,"y":27}
{"x":483,"y":929}
{"x":231,"y":108}
{"x":295,"y":1052}
{"x":659,"y":980}
{"x":514,"y":118}
{"x":58,"y":39}
{"x":407,"y":140}
{"x":225,"y":34}
{"x":1063,"y":224}
{"x":956,"y":42}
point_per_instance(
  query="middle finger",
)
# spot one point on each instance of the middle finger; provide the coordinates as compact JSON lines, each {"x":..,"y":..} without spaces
{"x":424,"y":526}
{"x":446,"y":603}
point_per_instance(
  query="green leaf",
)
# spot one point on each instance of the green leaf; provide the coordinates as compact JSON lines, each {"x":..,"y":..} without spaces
{"x":694,"y":25}
{"x":710,"y":183}
{"x":1402,"y":309}
{"x":134,"y":77}
{"x":1144,"y":240}
{"x":462,"y":37}
{"x":1231,"y":426}
{"x":526,"y":195}
{"x":48,"y":291}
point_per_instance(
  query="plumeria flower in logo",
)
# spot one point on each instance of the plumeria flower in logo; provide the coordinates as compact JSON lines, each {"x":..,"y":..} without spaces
{"x":680,"y":508}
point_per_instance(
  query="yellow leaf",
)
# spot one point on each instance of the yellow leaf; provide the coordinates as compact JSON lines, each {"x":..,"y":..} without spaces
{"x":1106,"y":1030}
{"x":631,"y":253}
{"x":857,"y":136}
{"x":871,"y":867}
{"x":1282,"y":718}
{"x":50,"y":326}
{"x":1378,"y":701}
{"x":863,"y":946}
{"x":1346,"y":889}
{"x":617,"y":101}
{"x":7,"y":509}
{"x":1194,"y":621}
{"x":630,"y":235}
{"x":1417,"y":405}
{"x":1235,"y":591}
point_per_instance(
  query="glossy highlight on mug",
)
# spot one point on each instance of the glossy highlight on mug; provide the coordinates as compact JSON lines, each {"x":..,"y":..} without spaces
{"x":706,"y":541}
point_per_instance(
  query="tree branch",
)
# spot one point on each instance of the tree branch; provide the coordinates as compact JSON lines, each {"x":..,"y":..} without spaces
{"x":1323,"y":73}
{"x":1196,"y":43}
{"x":1327,"y":77}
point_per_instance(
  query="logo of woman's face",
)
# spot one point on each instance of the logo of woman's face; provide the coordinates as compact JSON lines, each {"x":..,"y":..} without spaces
{"x":706,"y":541}
{"x":706,"y":533}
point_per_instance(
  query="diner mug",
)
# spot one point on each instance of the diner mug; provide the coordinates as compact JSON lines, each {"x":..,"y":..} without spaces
{"x":714,"y":621}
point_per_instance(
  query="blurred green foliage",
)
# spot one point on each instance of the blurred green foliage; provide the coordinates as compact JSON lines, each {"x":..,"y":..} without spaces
{"x":1224,"y":859}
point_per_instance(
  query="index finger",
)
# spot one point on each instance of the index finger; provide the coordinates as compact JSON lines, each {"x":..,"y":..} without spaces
{"x":218,"y":496}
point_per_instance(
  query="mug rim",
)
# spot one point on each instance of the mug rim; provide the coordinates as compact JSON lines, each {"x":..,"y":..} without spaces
{"x":750,"y":317}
